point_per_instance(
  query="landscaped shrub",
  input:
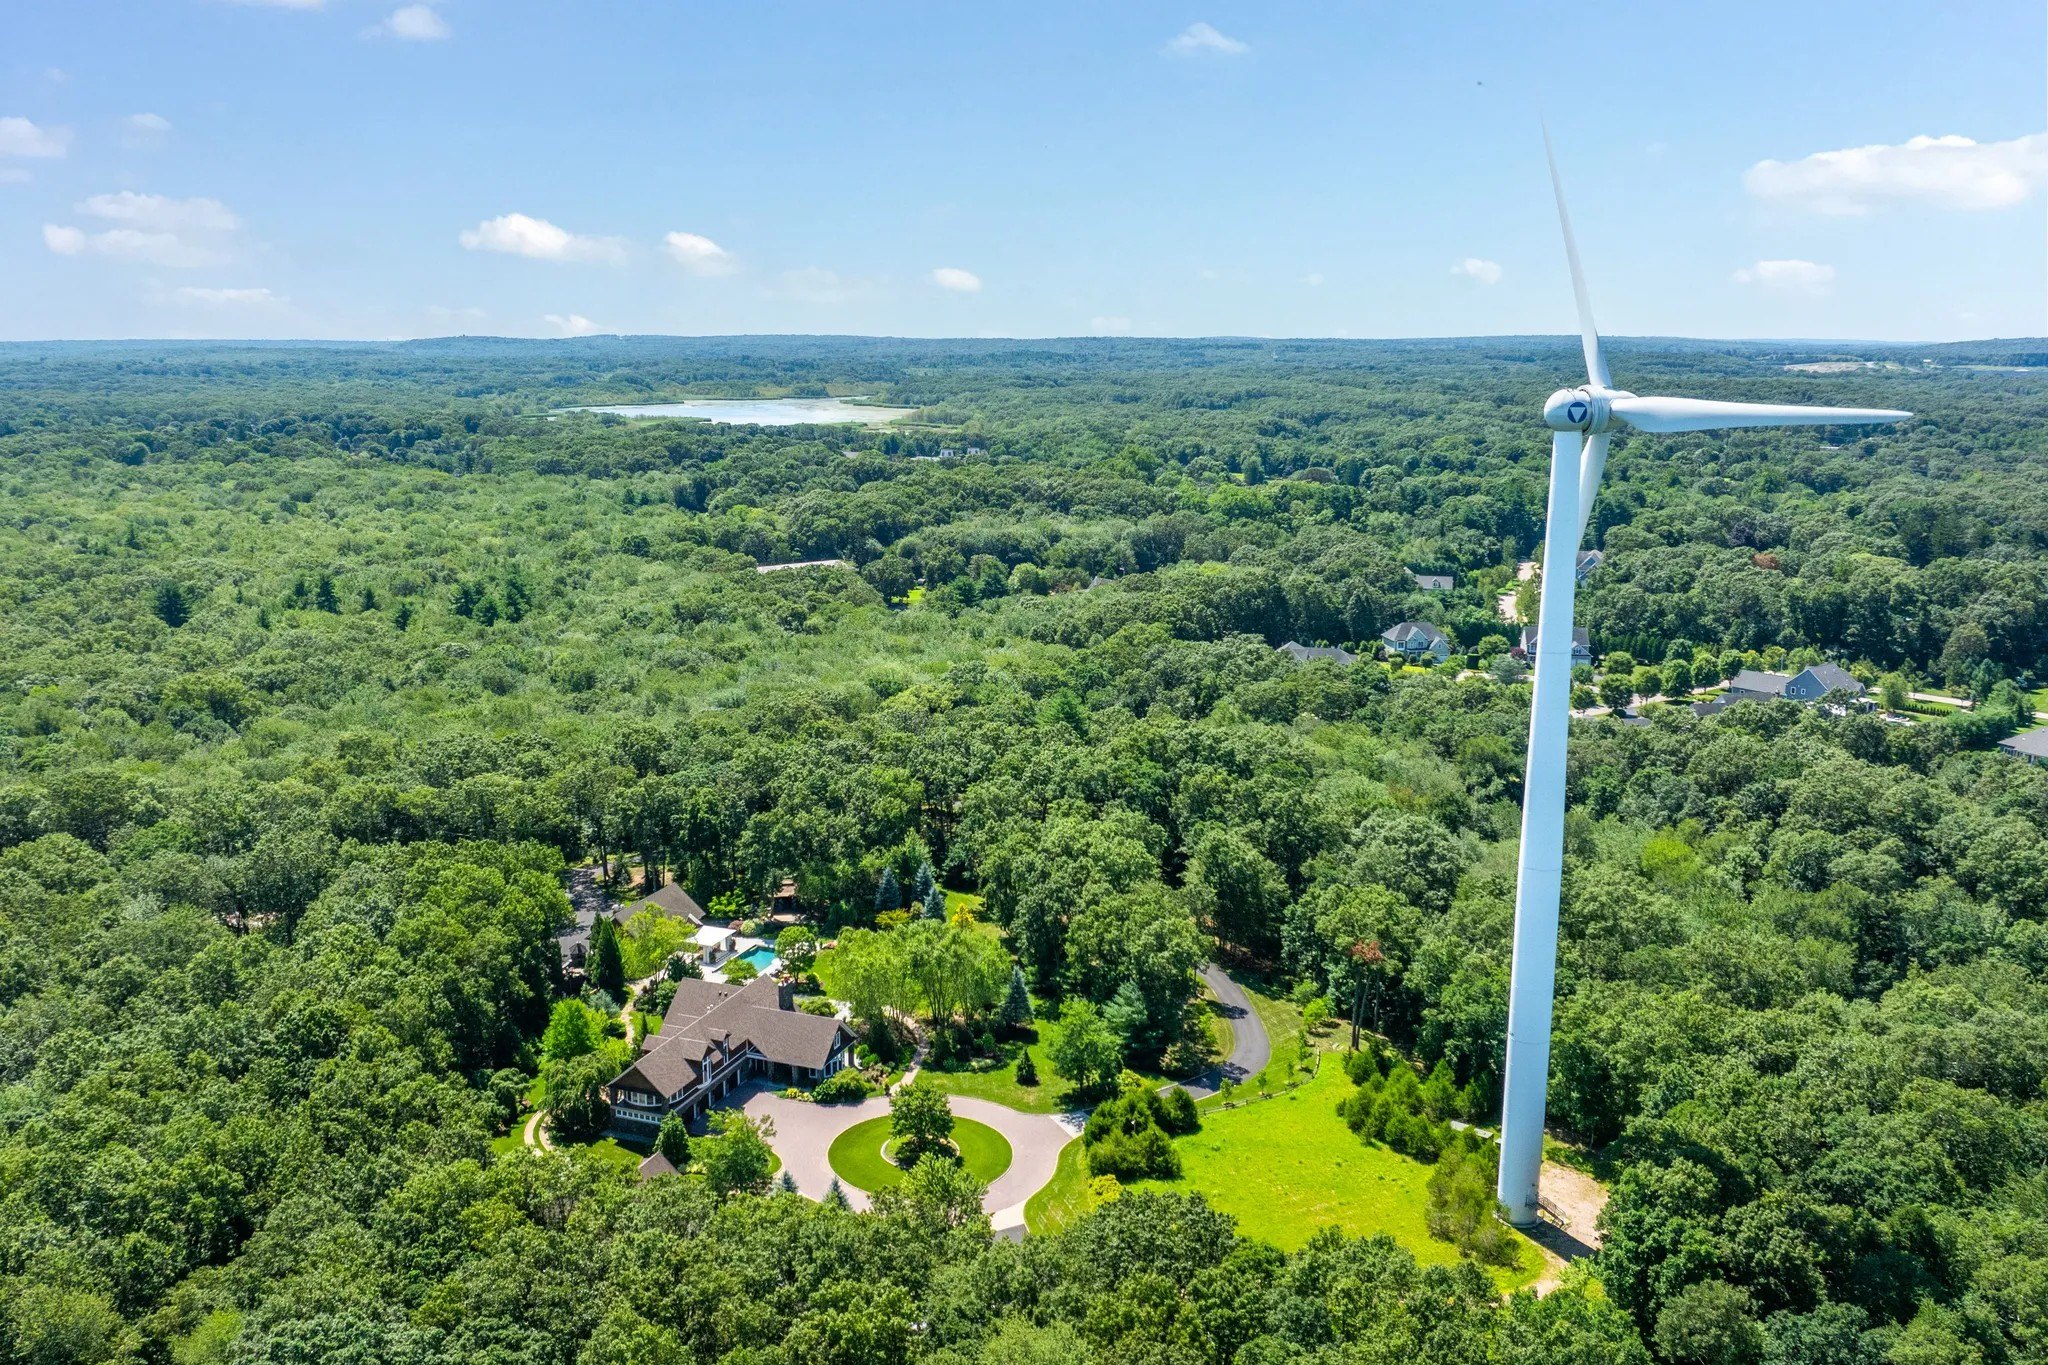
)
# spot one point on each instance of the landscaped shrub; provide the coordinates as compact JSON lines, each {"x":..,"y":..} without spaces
{"x":1392,"y":1110}
{"x":1462,"y":1209}
{"x":1129,"y":1137}
{"x":818,"y":1005}
{"x":842,"y":1087}
{"x":1027,"y":1070}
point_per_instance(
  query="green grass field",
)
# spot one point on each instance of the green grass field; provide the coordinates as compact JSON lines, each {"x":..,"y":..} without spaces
{"x":856,"y":1154}
{"x":1065,"y":1196}
{"x":1288,"y":1166}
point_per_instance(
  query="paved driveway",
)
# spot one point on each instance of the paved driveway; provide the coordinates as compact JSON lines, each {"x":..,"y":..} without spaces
{"x":1250,"y":1049}
{"x":804,"y":1133}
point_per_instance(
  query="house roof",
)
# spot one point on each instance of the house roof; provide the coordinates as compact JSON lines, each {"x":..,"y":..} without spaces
{"x":674,"y":902}
{"x":1412,"y":632}
{"x":1434,"y":582}
{"x":1709,"y":708}
{"x":713,"y":935}
{"x":1751,"y":680}
{"x":1582,"y":638}
{"x":1833,"y":678}
{"x":656,"y":1164}
{"x":708,"y":1015}
{"x":2032,"y":744}
{"x":1308,"y":653}
{"x":1589,"y":560}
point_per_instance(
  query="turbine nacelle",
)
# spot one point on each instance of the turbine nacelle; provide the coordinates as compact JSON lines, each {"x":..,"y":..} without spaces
{"x":1588,"y":409}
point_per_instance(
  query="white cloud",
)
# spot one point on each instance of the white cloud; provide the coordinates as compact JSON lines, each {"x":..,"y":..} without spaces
{"x":815,"y":284}
{"x":19,"y":137}
{"x":1804,"y":277}
{"x":1109,"y":325}
{"x":225,"y":298}
{"x":144,"y":130}
{"x":151,"y":228}
{"x":959,"y":281}
{"x":1473,"y":268}
{"x":1314,"y":279}
{"x":515,"y":234}
{"x":1947,"y":172}
{"x":572,"y":325}
{"x":1199,"y":38}
{"x":412,"y":24}
{"x":161,"y":213}
{"x":698,"y":254}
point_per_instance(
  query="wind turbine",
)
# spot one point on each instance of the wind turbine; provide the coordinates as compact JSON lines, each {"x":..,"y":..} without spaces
{"x":1579,"y":419}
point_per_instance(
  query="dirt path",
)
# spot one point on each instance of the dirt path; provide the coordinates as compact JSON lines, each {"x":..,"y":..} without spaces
{"x":1577,"y":1199}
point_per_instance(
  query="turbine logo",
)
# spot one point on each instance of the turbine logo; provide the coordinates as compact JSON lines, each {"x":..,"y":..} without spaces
{"x":1576,"y":410}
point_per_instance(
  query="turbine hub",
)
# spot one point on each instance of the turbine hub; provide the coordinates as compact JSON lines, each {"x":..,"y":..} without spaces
{"x":1577,"y":410}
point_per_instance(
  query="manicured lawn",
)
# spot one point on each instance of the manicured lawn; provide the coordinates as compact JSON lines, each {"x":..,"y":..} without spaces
{"x":826,"y":969}
{"x":1000,"y":1085}
{"x":509,"y":1143}
{"x":612,"y":1150}
{"x":1065,"y":1196}
{"x":1287,"y":1167}
{"x":857,"y":1159}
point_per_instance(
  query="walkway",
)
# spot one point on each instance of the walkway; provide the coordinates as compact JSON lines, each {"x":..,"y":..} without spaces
{"x":1250,"y":1048}
{"x":804,"y":1133}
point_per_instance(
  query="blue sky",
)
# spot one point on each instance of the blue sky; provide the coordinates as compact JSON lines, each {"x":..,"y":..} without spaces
{"x":354,"y":168}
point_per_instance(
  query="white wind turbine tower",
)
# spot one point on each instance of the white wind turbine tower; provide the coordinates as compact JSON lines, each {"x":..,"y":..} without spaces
{"x":1580,"y":419}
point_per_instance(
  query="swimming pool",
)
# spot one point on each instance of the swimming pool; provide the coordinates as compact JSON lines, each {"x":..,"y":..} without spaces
{"x":763,"y":957}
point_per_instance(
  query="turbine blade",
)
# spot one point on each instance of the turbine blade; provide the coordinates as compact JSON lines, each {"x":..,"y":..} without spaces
{"x":1701,"y":414}
{"x":1592,"y":461}
{"x":1589,"y":335}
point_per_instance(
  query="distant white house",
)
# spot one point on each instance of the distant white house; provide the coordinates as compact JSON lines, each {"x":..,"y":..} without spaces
{"x":1416,"y":640}
{"x":1588,"y":561}
{"x":1434,"y":582}
{"x":801,"y":564}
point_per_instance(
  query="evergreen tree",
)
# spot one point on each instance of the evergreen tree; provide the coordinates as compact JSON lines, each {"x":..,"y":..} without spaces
{"x":465,"y":599}
{"x":607,"y":963}
{"x":935,"y":903}
{"x":368,"y":601}
{"x":888,"y":893}
{"x":924,"y":883}
{"x":171,"y":607}
{"x":517,"y":597}
{"x":1027,"y":1070}
{"x":1125,"y":1013}
{"x":402,"y":618}
{"x":487,"y":612}
{"x":835,"y":1196}
{"x":787,"y":1184}
{"x":323,"y":594}
{"x":1016,"y":1008}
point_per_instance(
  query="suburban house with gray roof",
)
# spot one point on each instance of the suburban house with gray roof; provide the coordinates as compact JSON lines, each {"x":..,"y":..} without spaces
{"x":715,"y":1038}
{"x":670,"y":900}
{"x":1416,"y":639}
{"x":1434,"y":582}
{"x":1305,"y":654}
{"x":1582,"y":644}
{"x":1807,"y":685}
{"x":2031,"y":747}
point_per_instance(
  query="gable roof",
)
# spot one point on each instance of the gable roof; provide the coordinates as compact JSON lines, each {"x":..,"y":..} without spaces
{"x":709,"y":1017}
{"x":673,"y":901}
{"x":1751,"y":680}
{"x":1302,"y":654}
{"x":2032,"y":744}
{"x":1832,"y":678}
{"x":1414,"y":632}
{"x":1434,"y":582}
{"x":1582,"y":639}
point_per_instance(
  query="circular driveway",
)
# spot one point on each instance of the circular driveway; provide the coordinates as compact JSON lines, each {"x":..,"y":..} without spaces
{"x":804,"y":1133}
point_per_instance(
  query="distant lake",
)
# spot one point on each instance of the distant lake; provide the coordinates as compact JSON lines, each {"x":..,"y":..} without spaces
{"x":759,"y":412}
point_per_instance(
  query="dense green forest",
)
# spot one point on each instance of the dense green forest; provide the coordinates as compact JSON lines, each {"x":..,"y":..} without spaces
{"x":326,"y":660}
